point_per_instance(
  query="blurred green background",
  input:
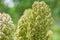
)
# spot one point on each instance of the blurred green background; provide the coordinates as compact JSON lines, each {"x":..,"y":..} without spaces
{"x":15,"y":9}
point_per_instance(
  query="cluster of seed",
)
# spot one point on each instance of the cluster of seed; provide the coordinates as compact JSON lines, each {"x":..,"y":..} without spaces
{"x":6,"y":27}
{"x":23,"y":23}
{"x":35,"y":22}
{"x":41,"y":15}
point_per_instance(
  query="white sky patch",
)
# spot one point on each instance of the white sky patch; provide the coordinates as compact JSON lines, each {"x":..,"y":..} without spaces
{"x":9,"y":3}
